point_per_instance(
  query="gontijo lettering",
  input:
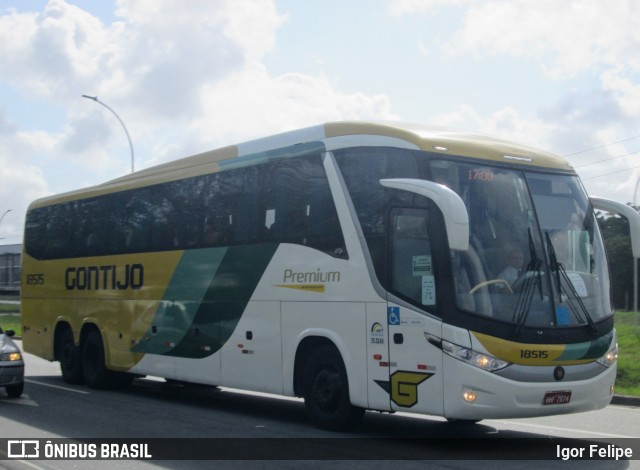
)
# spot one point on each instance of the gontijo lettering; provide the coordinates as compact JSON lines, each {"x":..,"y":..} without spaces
{"x":106,"y":277}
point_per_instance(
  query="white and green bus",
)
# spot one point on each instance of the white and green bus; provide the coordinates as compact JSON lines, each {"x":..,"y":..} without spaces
{"x":359,"y":265}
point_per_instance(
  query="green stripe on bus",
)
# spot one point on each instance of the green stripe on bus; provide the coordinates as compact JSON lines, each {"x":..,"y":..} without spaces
{"x":205,"y":299}
{"x":225,"y":300}
{"x":182,"y":299}
{"x":587,"y":350}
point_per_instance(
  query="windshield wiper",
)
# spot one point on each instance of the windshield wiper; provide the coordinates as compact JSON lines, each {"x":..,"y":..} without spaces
{"x":523,"y":305}
{"x":560,"y":276}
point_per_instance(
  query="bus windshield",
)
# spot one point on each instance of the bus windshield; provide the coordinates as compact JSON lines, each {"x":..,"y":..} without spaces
{"x":535,"y":256}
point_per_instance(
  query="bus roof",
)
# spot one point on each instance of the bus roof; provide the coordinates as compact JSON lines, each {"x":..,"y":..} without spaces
{"x":335,"y":135}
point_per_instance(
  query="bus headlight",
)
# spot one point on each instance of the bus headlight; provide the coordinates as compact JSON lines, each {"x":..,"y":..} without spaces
{"x":611,"y":357}
{"x":482,"y":361}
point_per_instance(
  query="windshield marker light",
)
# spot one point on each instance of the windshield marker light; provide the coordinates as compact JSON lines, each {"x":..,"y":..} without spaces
{"x":482,"y":361}
{"x":440,"y":148}
{"x":518,"y":159}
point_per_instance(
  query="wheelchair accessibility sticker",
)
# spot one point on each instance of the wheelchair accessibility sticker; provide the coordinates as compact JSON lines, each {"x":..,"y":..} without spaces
{"x":393,"y":315}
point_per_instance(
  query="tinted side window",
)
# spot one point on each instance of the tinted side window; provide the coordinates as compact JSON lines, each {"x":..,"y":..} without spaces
{"x":362,"y":170}
{"x":411,"y":260}
{"x":299,"y":207}
{"x":284,"y":200}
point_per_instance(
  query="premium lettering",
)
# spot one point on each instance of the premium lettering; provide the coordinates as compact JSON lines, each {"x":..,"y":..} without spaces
{"x":107,"y":277}
{"x":311,"y":277}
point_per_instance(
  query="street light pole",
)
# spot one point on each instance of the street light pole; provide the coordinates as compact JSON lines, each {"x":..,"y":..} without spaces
{"x":95,"y":98}
{"x":6,"y":212}
{"x":635,"y":267}
{"x":3,"y":215}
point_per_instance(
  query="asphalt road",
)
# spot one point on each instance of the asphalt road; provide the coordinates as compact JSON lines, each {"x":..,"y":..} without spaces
{"x":261,"y":431}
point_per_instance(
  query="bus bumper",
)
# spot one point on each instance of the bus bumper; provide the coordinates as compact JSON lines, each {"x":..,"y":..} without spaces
{"x":473,"y":394}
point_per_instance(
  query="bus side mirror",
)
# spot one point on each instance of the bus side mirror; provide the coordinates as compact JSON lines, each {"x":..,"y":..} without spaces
{"x":622,"y":209}
{"x":455,"y":214}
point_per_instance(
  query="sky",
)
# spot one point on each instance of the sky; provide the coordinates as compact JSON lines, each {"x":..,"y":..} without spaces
{"x":190,"y":76}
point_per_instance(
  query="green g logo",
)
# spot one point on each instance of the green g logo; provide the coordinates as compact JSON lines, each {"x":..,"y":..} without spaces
{"x":403,"y":387}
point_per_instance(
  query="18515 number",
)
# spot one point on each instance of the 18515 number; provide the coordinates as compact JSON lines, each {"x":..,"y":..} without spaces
{"x":35,"y":279}
{"x":533,"y":354}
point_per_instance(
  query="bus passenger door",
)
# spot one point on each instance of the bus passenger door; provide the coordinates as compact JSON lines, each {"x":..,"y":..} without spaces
{"x":378,"y":357}
{"x":415,"y":373}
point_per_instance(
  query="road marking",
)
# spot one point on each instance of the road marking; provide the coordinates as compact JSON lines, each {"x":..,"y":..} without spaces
{"x":22,"y":400}
{"x":260,"y":394}
{"x":26,"y":463}
{"x":555,"y":428}
{"x":57,"y":386}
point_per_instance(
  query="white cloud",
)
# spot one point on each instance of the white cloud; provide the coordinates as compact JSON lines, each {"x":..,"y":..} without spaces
{"x":251,"y":103}
{"x":624,"y":88}
{"x":405,"y":7}
{"x":161,"y":65}
{"x":155,"y":59}
{"x":564,"y":37}
{"x":53,"y":52}
{"x":183,"y":77}
{"x":22,"y":181}
{"x":506,"y":123}
{"x":591,"y":43}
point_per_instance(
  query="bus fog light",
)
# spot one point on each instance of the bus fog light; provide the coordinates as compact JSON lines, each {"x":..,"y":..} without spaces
{"x":469,"y":396}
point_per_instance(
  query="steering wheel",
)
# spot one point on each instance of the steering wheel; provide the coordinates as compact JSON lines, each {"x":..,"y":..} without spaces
{"x":490,"y":282}
{"x":519,"y":283}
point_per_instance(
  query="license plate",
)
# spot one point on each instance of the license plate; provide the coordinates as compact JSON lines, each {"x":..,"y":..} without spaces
{"x":557,"y":398}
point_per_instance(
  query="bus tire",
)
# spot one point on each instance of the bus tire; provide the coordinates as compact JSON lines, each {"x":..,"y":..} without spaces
{"x":69,"y":356}
{"x":96,"y":374}
{"x":326,"y":391}
{"x":120,"y":379}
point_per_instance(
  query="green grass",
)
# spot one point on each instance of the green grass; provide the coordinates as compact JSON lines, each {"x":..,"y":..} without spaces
{"x":9,"y":308}
{"x":10,"y":315}
{"x":11,"y":321}
{"x":628,"y":380}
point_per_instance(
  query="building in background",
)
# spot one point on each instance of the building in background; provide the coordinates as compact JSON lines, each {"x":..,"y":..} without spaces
{"x":10,"y":268}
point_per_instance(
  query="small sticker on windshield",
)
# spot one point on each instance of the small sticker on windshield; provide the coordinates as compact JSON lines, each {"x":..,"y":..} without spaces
{"x":578,"y":284}
{"x":422,"y":265}
{"x":562,"y":315}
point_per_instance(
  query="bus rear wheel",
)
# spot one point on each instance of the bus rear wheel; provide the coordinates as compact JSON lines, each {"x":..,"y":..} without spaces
{"x":326,"y":391}
{"x":96,"y":374}
{"x":69,"y":357}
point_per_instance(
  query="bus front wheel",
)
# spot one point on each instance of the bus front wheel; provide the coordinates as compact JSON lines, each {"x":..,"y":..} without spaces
{"x":326,"y":391}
